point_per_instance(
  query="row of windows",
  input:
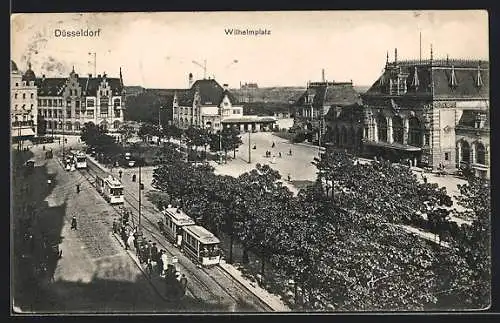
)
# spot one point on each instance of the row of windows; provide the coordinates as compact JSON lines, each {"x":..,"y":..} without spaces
{"x":22,"y":123}
{"x":55,"y":125}
{"x":59,"y":102}
{"x":32,"y":95}
{"x":16,"y":106}
{"x":25,"y":84}
{"x":88,"y":113}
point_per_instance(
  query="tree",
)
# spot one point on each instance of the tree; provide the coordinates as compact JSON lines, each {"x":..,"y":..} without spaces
{"x":127,"y":132}
{"x":466,"y":266}
{"x":171,"y":131}
{"x":148,"y":129}
{"x":227,"y":139}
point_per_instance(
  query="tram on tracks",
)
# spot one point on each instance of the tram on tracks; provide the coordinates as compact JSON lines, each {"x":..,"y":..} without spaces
{"x":175,"y":220}
{"x":201,"y":245}
{"x":80,"y":160}
{"x":110,"y":188}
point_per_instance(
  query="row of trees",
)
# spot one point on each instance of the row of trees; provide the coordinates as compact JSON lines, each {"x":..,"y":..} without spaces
{"x":228,"y":139}
{"x":106,"y":147}
{"x":337,"y":238}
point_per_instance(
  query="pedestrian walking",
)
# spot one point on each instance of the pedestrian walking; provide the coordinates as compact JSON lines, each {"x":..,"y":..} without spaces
{"x":160,"y":263}
{"x":120,"y":173}
{"x":254,"y":146}
{"x":154,"y":252}
{"x":273,"y":145}
{"x":78,"y":188}
{"x":279,"y":154}
{"x":289,"y":177}
{"x":73,"y":223}
{"x":164,"y":259}
{"x":115,"y":228}
{"x":183,"y":282}
{"x":130,"y":241}
{"x":290,"y":152}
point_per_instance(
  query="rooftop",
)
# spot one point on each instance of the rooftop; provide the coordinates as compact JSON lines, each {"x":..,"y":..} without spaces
{"x":203,"y":235}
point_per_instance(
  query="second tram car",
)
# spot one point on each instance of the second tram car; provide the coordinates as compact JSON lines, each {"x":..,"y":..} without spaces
{"x":111,"y":189}
{"x":80,"y":161}
{"x":201,"y":245}
{"x":175,"y":220}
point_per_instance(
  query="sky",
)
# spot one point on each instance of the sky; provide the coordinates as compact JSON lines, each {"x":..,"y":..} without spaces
{"x":158,"y":49}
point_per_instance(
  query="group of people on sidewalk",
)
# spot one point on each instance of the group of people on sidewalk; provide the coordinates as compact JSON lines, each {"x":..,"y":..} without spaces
{"x":155,"y":260}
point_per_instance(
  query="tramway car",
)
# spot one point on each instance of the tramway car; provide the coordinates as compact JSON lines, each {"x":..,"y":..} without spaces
{"x":175,"y":220}
{"x":201,"y":245}
{"x":111,"y":189}
{"x":80,"y":161}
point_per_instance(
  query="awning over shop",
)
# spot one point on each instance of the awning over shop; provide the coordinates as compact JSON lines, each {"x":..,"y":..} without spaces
{"x":394,"y":145}
{"x":23,"y":132}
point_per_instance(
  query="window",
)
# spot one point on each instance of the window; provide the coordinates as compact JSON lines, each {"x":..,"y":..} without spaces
{"x":32,"y":95}
{"x":480,"y":154}
{"x":24,"y":95}
{"x":90,"y":103}
{"x":116,"y":102}
{"x":60,"y":102}
{"x":236,"y":111}
{"x":49,"y":102}
{"x":31,"y":106}
{"x":39,"y":102}
{"x":427,"y":139}
{"x":90,"y":113}
{"x":44,"y":113}
{"x":68,"y":103}
{"x":77,"y":104}
{"x":381,"y":128}
{"x":117,"y":113}
{"x":68,"y":113}
{"x":447,"y":156}
{"x":17,"y":84}
{"x":226,"y":104}
{"x":50,"y":114}
{"x":15,"y":96}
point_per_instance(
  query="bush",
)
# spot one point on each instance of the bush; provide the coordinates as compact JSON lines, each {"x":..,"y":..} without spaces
{"x":299,"y":137}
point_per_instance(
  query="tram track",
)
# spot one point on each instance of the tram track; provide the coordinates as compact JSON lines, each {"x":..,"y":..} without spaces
{"x":215,"y":273}
{"x":162,"y":241}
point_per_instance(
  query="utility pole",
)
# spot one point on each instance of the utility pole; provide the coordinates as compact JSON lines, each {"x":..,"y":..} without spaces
{"x":249,"y":146}
{"x":139,"y":228}
{"x":220,"y":146}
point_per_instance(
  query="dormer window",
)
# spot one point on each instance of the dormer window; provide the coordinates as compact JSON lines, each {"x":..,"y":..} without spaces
{"x":453,"y":78}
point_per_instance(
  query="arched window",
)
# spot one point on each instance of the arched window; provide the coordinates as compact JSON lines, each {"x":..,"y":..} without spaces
{"x":465,"y":152}
{"x":116,"y":102}
{"x":397,"y":129}
{"x":414,"y":132}
{"x":381,"y":128}
{"x":77,"y":126}
{"x":24,"y":95}
{"x":32,"y":95}
{"x":116,"y":124}
{"x":15,"y":95}
{"x":480,"y":154}
{"x":69,"y":126}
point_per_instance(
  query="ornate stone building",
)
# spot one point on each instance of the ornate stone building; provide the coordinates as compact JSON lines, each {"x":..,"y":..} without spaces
{"x":318,"y":110}
{"x":66,"y":104}
{"x":23,"y":108}
{"x":434,"y":112}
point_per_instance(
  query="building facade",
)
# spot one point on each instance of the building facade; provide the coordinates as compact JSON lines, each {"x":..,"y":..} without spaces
{"x":209,"y":105}
{"x":316,"y":108}
{"x":434,"y":112}
{"x":23,"y":109}
{"x":66,"y":104}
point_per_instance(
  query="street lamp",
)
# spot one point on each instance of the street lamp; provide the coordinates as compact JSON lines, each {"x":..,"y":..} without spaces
{"x":249,"y":146}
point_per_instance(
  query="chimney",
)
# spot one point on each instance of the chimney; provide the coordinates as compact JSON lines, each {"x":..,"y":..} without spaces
{"x":43,"y":77}
{"x":323,"y":75}
{"x":190,"y":80}
{"x":90,"y":75}
{"x":395,"y":55}
{"x":98,"y":75}
{"x":225,"y":87}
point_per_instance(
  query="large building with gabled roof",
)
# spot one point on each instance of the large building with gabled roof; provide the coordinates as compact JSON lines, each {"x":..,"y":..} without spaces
{"x":207,"y":104}
{"x":66,"y":104}
{"x":433,"y":112}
